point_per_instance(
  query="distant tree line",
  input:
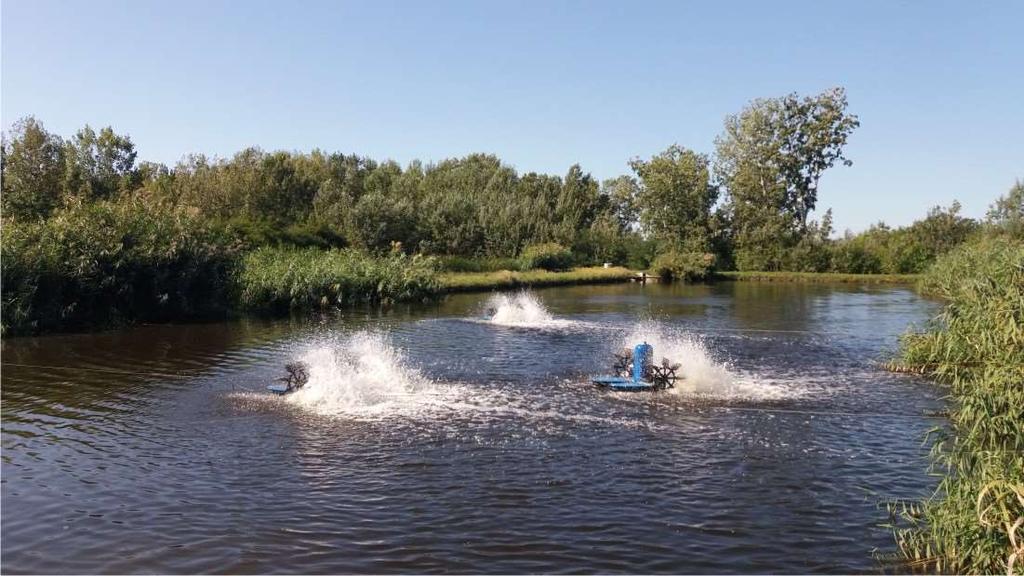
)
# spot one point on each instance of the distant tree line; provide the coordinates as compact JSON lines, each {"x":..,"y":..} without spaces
{"x":749,"y":206}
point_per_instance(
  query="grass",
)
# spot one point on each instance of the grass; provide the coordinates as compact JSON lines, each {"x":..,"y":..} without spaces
{"x":974,"y":523}
{"x":476,"y":281}
{"x":818,"y":277}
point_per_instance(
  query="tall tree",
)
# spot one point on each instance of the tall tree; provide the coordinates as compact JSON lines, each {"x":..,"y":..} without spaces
{"x":770,"y":159}
{"x":32,"y":163}
{"x":676,"y":198}
{"x":577,"y":205}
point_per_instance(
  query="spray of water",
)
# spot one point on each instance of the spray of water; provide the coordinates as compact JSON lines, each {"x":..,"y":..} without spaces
{"x":521,"y":310}
{"x":702,"y":374}
{"x":364,"y":375}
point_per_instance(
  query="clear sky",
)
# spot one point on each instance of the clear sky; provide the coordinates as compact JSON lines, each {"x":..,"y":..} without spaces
{"x":938,"y":86}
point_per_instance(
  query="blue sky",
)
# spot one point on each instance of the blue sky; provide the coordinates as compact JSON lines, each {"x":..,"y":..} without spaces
{"x":938,"y":86}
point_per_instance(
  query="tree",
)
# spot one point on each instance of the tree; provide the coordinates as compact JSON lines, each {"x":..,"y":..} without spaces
{"x":577,"y":205}
{"x":675,"y":199}
{"x":377,"y":220}
{"x":99,"y":166}
{"x":1007,"y":213}
{"x":341,"y":189}
{"x":770,"y":159}
{"x":623,"y":194}
{"x":32,"y":166}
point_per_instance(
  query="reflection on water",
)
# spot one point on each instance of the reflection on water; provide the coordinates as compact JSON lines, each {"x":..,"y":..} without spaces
{"x":431,"y":438}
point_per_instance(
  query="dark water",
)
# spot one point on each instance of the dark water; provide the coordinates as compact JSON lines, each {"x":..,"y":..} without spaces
{"x":466,"y":446}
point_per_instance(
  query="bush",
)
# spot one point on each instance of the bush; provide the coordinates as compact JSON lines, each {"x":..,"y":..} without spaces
{"x":549,"y":256}
{"x":104,"y":262}
{"x":685,"y":266}
{"x":976,"y":348}
{"x":810,"y":254}
{"x":853,"y":257}
{"x":278,"y":279}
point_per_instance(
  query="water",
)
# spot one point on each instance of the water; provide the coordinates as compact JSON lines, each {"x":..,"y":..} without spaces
{"x":464,"y":437}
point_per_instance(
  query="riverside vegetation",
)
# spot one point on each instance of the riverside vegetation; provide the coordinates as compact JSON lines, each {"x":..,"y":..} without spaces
{"x":974,"y":524}
{"x":91,"y":236}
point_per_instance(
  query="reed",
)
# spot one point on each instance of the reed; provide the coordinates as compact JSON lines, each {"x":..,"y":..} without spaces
{"x":278,"y":279}
{"x":974,"y":522}
{"x":475,"y":281}
{"x":108,"y":263}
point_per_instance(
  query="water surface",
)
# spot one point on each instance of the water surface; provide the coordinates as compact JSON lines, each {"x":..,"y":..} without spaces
{"x":436,"y":438}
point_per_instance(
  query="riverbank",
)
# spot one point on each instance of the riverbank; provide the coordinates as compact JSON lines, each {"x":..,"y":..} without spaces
{"x":815,"y":277}
{"x":507,"y":279}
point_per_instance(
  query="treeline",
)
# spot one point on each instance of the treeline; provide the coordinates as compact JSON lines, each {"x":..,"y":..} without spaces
{"x":474,"y":207}
{"x":749,"y":206}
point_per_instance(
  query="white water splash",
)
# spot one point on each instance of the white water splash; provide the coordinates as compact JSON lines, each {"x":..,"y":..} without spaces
{"x":521,"y":310}
{"x":702,"y":374}
{"x":365,"y":375}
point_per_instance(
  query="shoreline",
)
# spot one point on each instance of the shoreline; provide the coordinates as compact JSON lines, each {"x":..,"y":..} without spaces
{"x":815,"y":277}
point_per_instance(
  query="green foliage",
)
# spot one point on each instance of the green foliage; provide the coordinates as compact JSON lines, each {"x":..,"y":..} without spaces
{"x":105,"y":261}
{"x":254,"y":233}
{"x":1007,"y":213}
{"x":278,"y":279}
{"x":548,"y":256}
{"x":376,"y":221}
{"x":99,"y":166}
{"x":33,"y":171}
{"x":481,"y":215}
{"x":976,"y":349}
{"x":908,"y":250}
{"x":676,"y":198}
{"x":463,"y":264}
{"x":770,"y":159}
{"x":623,"y":199}
{"x":685,"y":266}
{"x":813,"y":252}
{"x":473,"y":281}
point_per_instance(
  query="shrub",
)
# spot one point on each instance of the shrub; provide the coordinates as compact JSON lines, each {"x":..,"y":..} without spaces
{"x":278,"y":279}
{"x":810,"y":254}
{"x":685,"y":266}
{"x":103,"y":262}
{"x":255,"y":233}
{"x":549,"y":256}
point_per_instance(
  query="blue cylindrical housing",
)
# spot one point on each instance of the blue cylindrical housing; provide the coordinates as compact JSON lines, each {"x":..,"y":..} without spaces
{"x":642,"y":355}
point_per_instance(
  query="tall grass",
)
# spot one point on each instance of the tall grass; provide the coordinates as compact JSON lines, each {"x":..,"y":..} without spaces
{"x":286,"y":278}
{"x":974,"y":523}
{"x":108,"y":262}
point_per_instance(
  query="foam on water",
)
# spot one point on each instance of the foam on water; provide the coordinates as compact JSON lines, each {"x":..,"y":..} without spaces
{"x":701,"y":373}
{"x":521,"y":310}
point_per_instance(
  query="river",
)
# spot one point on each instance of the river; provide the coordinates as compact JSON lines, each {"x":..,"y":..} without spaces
{"x":464,"y":436}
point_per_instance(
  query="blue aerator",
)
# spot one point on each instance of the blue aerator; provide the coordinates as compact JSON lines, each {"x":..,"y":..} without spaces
{"x":635,"y":371}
